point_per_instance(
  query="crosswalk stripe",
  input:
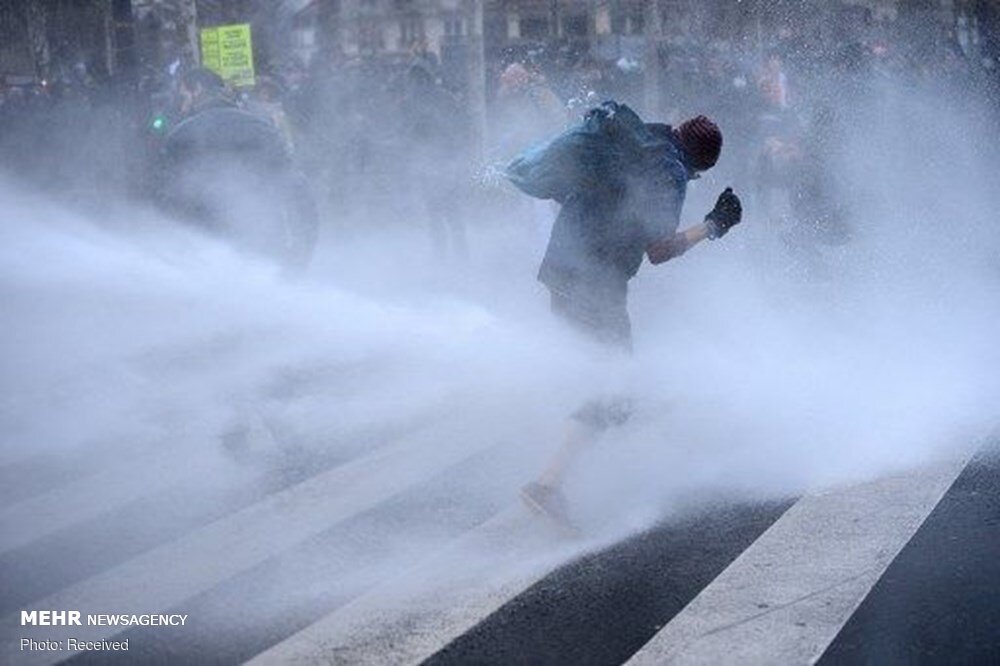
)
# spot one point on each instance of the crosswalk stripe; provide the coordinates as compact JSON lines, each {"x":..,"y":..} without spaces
{"x":410,"y":617}
{"x":35,"y":517}
{"x":93,"y":495}
{"x":30,"y":474}
{"x":166,"y":576}
{"x":784,"y":599}
{"x":34,"y":475}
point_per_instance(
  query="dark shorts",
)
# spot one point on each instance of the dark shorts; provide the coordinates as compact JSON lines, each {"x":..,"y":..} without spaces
{"x":609,"y":324}
{"x":604,"y":322}
{"x":603,"y":413}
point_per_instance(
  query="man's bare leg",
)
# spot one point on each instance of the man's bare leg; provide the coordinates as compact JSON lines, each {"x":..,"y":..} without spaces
{"x":579,"y":437}
{"x":544,"y":495}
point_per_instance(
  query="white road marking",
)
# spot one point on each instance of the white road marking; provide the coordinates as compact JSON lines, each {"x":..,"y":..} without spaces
{"x":165,"y":576}
{"x":82,"y":500}
{"x":410,"y":617}
{"x":785,"y":598}
{"x":93,"y":495}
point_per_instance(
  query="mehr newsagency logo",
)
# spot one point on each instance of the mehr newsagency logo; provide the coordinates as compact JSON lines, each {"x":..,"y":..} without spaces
{"x":72,"y":618}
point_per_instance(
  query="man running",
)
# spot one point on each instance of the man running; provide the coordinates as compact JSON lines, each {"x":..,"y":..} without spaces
{"x":616,"y":209}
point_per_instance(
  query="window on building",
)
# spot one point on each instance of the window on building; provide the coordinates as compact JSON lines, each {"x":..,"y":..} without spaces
{"x":576,"y":25}
{"x":533,"y":27}
{"x":370,"y":39}
{"x":618,"y":16}
{"x":454,"y":26}
{"x":15,"y":51}
{"x":635,"y":20}
{"x":411,"y":31}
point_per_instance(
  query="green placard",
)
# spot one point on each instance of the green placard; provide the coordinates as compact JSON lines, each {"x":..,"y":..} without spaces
{"x":227,"y":50}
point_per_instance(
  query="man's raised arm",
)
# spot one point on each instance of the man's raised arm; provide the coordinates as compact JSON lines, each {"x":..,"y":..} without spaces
{"x":727,"y":214}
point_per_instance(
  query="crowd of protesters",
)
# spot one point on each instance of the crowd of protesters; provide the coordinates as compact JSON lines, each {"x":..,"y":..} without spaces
{"x":383,"y":141}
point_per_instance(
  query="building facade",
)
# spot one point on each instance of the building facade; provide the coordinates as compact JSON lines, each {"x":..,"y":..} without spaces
{"x":58,"y":39}
{"x":46,"y":38}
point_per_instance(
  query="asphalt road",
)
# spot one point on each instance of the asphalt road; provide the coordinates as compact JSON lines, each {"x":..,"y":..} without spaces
{"x":602,"y":608}
{"x":939,"y":601}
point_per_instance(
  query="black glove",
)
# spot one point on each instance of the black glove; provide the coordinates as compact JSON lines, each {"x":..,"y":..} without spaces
{"x":727,"y":214}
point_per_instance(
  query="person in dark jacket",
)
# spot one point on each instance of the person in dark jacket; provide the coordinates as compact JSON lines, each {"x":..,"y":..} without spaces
{"x":598,"y":242}
{"x":432,"y":129}
{"x":229,"y":170}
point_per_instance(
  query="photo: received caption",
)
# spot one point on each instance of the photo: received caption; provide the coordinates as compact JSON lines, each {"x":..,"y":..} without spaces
{"x":73,"y":645}
{"x":51,"y":618}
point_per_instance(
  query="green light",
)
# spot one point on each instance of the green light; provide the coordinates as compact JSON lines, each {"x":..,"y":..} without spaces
{"x":159,"y":123}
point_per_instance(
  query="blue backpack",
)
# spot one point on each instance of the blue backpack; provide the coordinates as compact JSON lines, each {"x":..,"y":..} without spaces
{"x":609,"y":147}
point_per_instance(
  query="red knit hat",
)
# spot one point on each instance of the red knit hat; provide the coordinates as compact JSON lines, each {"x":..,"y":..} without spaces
{"x":702,"y":141}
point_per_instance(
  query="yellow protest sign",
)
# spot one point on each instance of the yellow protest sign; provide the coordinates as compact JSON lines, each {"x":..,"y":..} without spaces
{"x":227,"y":50}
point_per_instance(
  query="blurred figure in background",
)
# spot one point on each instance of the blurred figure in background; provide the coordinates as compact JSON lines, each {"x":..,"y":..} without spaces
{"x":434,"y":127}
{"x":527,"y":111}
{"x":266,"y":100}
{"x":773,"y":83}
{"x":229,"y":171}
{"x":818,"y":216}
{"x":779,"y":151}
